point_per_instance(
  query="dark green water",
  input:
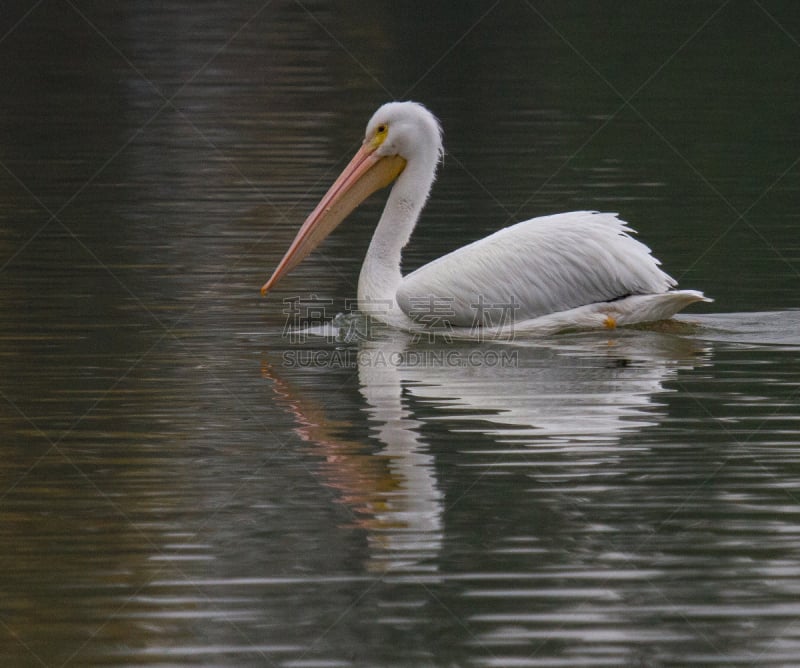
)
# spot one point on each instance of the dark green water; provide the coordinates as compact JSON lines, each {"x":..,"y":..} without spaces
{"x":184,"y":483}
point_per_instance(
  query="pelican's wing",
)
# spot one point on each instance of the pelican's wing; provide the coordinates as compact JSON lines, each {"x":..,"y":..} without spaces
{"x":540,"y":266}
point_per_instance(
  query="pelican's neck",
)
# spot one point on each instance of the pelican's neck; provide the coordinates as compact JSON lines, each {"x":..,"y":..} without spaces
{"x":380,"y":274}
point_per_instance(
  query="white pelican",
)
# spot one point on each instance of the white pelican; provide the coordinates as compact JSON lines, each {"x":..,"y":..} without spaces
{"x":570,"y":270}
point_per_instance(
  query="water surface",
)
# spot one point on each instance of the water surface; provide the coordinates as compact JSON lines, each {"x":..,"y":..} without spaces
{"x":185,"y":480}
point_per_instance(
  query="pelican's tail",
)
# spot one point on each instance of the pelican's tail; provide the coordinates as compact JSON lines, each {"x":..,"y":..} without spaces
{"x":650,"y":308}
{"x":630,"y":310}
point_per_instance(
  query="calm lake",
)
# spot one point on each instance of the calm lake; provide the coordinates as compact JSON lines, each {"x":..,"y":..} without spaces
{"x":188,"y":476}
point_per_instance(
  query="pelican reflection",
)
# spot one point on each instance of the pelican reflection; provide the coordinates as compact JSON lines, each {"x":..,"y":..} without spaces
{"x":573,"y":392}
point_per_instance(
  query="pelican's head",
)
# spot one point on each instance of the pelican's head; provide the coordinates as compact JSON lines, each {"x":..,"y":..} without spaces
{"x":398,"y":134}
{"x":406,"y":129}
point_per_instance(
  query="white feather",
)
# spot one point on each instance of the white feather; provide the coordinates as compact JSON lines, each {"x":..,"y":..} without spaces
{"x":540,"y":266}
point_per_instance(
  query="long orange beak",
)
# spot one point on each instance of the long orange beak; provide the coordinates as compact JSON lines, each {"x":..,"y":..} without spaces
{"x":366,"y":173}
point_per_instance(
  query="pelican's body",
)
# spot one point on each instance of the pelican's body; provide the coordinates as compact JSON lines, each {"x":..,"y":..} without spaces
{"x":577,"y":269}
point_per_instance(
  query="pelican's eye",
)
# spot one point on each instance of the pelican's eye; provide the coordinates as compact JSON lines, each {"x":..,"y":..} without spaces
{"x":380,"y":134}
